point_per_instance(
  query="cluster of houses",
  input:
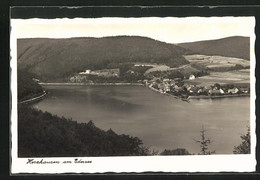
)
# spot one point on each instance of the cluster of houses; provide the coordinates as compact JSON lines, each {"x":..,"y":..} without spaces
{"x":163,"y":86}
{"x":174,"y":87}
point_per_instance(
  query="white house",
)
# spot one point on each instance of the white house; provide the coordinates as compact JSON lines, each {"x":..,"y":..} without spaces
{"x":36,"y":80}
{"x":192,"y":77}
{"x":221,"y":91}
{"x":233,"y":91}
{"x":214,"y":91}
{"x":244,"y":90}
{"x":86,"y":72}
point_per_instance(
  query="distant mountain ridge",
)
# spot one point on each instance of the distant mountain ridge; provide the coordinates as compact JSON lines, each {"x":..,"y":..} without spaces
{"x":58,"y":58}
{"x":235,"y":46}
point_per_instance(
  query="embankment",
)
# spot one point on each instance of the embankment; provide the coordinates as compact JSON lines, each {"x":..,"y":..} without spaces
{"x":222,"y":96}
{"x":98,"y":84}
{"x":167,"y":94}
{"x":33,"y":99}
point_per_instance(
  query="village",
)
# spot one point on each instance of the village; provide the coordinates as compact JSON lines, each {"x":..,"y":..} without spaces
{"x":177,"y":87}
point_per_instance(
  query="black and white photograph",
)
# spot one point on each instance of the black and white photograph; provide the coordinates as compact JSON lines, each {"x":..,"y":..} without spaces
{"x":139,"y":91}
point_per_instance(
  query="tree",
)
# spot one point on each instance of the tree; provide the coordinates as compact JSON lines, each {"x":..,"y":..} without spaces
{"x":175,"y":74}
{"x":230,"y":86}
{"x":217,"y":85}
{"x":204,"y":143}
{"x":53,"y":136}
{"x":146,"y":151}
{"x":179,"y":151}
{"x":244,"y":147}
{"x":27,"y":88}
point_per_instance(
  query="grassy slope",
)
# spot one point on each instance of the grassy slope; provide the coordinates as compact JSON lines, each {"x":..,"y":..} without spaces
{"x":58,"y":58}
{"x":235,"y":46}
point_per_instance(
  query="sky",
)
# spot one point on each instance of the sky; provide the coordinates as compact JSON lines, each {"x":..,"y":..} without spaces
{"x":170,"y":29}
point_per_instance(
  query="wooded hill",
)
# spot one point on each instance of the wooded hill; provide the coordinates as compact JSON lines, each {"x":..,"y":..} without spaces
{"x":27,"y":88}
{"x":235,"y":46}
{"x":60,"y":58}
{"x":41,"y":134}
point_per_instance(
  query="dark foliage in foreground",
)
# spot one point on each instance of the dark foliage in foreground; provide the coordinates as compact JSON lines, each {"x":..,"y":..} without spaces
{"x":178,"y":151}
{"x":244,"y":147}
{"x":27,"y":88}
{"x":40,"y":134}
{"x":204,"y":143}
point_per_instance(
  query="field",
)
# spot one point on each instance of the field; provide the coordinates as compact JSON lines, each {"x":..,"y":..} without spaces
{"x":203,"y":62}
{"x":241,"y":77}
{"x":186,"y":69}
{"x":211,"y":62}
{"x":158,"y":67}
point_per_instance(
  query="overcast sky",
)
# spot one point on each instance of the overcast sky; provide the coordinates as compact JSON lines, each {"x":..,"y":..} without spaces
{"x":170,"y":30}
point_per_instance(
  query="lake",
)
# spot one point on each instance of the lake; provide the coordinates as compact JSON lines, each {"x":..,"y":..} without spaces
{"x":160,"y":121}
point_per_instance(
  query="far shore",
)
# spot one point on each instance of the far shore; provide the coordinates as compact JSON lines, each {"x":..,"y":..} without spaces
{"x":92,"y":84}
{"x":222,"y":96}
{"x":167,"y":94}
{"x":202,"y":96}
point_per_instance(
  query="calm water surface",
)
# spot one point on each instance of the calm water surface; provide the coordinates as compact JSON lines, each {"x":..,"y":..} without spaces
{"x":162,"y":122}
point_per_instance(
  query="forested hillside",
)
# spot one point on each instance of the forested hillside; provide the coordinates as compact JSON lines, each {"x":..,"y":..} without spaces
{"x":236,"y":46}
{"x":40,"y":134}
{"x":27,"y":88}
{"x":59,"y":58}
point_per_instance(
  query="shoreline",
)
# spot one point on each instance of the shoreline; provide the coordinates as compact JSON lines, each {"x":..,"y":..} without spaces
{"x":92,"y":84}
{"x":222,"y":96}
{"x":33,"y":99}
{"x":167,"y":94}
{"x":200,"y":97}
{"x":133,"y":84}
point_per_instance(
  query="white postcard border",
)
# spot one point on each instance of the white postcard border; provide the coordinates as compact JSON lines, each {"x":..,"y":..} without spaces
{"x":193,"y":163}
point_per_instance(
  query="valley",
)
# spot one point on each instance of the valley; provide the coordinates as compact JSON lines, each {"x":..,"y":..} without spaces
{"x":134,"y":85}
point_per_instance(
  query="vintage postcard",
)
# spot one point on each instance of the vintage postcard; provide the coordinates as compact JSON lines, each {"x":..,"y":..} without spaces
{"x":151,"y":94}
